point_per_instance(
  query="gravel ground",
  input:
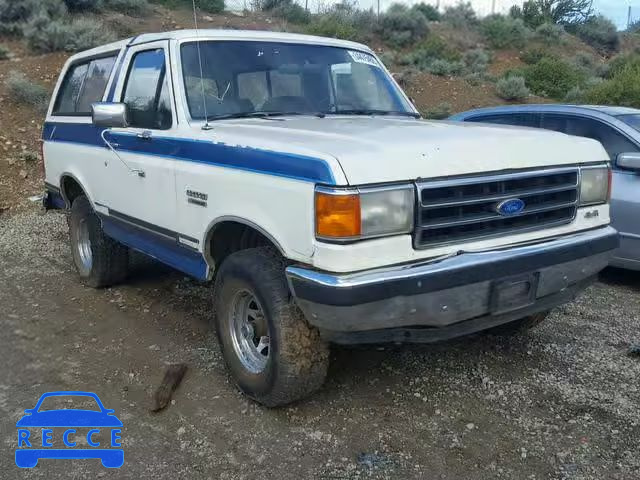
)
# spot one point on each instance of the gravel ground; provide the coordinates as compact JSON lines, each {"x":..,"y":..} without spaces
{"x":560,"y":402}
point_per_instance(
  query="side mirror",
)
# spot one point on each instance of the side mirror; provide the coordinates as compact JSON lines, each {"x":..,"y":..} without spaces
{"x":629,"y":161}
{"x":109,"y":115}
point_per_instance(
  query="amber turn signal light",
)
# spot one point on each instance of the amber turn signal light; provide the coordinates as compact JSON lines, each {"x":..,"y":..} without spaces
{"x":337,"y":215}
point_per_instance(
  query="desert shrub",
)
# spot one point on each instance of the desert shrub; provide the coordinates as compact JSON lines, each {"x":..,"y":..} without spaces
{"x":5,"y":53}
{"x":401,"y":26}
{"x":620,"y":62}
{"x":267,"y":5}
{"x":575,"y":96}
{"x":82,"y":5}
{"x":292,"y":12}
{"x":430,"y":12}
{"x":332,"y":25}
{"x":405,"y":77}
{"x":623,"y":89}
{"x":364,"y":21}
{"x":22,"y":90}
{"x":553,"y":77}
{"x":389,"y":58}
{"x":128,"y":7}
{"x":443,"y":68}
{"x":438,"y":112}
{"x":477,"y":60}
{"x":46,"y":35}
{"x":461,"y":16}
{"x":15,"y":12}
{"x":426,"y":52}
{"x":475,"y":78}
{"x":502,"y":32}
{"x":533,"y":55}
{"x":587,"y":64}
{"x":211,"y":6}
{"x":550,"y":33}
{"x":512,"y":88}
{"x":600,"y":33}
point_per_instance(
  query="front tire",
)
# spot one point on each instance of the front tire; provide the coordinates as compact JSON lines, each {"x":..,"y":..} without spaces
{"x":99,"y":260}
{"x":272,"y":353}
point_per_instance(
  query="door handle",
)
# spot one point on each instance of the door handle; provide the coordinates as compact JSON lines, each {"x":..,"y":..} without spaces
{"x":144,"y":135}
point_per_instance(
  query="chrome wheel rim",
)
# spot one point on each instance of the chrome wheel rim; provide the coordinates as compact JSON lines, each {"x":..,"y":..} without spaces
{"x":83,"y":246}
{"x":249,"y":331}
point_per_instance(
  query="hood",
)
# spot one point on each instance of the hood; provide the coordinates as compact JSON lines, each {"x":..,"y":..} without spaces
{"x":386,"y":149}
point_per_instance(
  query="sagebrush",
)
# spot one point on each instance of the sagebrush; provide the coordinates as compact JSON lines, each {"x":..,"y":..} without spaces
{"x":401,"y":26}
{"x":22,"y":90}
{"x":553,"y":77}
{"x":502,"y":32}
{"x":512,"y":88}
{"x":45,"y":35}
{"x":623,"y":89}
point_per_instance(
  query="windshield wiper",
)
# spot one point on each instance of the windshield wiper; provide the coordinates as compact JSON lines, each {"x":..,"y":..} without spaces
{"x":261,"y":115}
{"x":375,"y":112}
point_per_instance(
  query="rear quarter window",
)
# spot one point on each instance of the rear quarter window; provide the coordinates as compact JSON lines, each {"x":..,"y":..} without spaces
{"x":83,"y":84}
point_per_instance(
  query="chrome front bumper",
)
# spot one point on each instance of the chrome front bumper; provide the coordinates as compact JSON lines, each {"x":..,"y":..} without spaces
{"x":447,"y":293}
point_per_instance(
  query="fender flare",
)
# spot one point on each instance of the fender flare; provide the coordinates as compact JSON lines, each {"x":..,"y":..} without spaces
{"x":206,"y":244}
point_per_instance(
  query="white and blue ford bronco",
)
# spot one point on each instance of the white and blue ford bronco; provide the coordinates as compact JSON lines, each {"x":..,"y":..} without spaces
{"x":294,"y":174}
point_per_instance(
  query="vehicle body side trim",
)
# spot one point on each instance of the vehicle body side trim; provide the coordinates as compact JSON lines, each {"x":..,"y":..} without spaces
{"x":256,"y":160}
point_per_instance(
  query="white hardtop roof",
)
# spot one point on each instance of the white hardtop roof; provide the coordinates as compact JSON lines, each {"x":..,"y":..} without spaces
{"x":221,"y":34}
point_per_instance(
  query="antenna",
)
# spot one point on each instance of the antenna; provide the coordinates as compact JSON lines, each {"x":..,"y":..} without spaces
{"x":206,"y":125}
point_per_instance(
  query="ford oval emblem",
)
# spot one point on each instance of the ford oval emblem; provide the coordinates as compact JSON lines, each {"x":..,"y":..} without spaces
{"x":512,"y":206}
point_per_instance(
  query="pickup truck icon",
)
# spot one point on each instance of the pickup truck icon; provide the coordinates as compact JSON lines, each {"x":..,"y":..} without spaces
{"x":28,"y":456}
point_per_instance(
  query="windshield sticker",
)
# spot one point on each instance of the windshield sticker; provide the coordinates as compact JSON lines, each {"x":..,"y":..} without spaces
{"x":362,"y":57}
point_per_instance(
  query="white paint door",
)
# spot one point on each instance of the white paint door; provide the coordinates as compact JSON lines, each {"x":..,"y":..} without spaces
{"x":141,"y":171}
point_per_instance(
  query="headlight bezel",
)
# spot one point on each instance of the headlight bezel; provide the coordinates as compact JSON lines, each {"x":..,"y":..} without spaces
{"x":604,"y":195}
{"x":367,"y":202}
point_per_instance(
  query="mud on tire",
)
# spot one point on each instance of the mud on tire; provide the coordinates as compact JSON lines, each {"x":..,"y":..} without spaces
{"x":99,"y":260}
{"x":297,"y":358}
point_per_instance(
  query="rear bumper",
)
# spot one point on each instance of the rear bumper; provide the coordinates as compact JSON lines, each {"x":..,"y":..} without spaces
{"x":443,"y":293}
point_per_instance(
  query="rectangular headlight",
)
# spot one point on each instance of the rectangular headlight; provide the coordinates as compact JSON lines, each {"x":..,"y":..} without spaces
{"x":594,"y":185}
{"x":386,"y":211}
{"x":356,"y":213}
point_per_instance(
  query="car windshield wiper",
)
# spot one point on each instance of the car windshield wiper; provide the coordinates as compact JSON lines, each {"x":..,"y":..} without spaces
{"x":261,"y":115}
{"x":375,"y":112}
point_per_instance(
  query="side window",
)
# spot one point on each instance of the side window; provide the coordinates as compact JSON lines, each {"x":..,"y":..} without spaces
{"x":146,"y":91}
{"x":613,"y":141}
{"x":516,"y":119}
{"x":83,"y":85}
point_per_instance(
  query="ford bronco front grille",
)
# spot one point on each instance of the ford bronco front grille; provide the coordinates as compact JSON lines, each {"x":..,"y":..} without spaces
{"x":457,"y":210}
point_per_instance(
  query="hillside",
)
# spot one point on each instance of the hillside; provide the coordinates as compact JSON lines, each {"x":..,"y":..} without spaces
{"x":448,"y":69}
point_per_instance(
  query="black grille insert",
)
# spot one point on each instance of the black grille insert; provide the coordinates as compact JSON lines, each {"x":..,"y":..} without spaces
{"x":453,"y":211}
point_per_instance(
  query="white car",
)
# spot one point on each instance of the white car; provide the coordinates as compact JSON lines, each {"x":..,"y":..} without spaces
{"x":294,"y":173}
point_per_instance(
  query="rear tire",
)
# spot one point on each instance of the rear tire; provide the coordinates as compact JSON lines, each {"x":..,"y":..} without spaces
{"x":99,"y":260}
{"x":272,"y":353}
{"x":518,"y":326}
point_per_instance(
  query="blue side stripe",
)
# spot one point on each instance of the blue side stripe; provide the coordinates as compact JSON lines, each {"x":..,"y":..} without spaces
{"x":269,"y":162}
{"x":167,"y":251}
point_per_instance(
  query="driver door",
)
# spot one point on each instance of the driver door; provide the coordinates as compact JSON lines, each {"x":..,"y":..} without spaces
{"x":142,"y":179}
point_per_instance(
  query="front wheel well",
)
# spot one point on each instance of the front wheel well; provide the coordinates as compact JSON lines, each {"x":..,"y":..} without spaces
{"x":71,"y":189}
{"x":231,"y":236}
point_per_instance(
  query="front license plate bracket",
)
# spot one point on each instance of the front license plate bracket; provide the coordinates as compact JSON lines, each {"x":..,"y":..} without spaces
{"x":513,"y":293}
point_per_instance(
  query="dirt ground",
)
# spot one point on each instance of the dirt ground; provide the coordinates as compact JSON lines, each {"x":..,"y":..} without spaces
{"x":562,"y":402}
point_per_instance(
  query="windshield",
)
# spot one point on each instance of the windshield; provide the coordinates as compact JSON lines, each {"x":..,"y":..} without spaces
{"x":242,"y":78}
{"x":631,"y":120}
